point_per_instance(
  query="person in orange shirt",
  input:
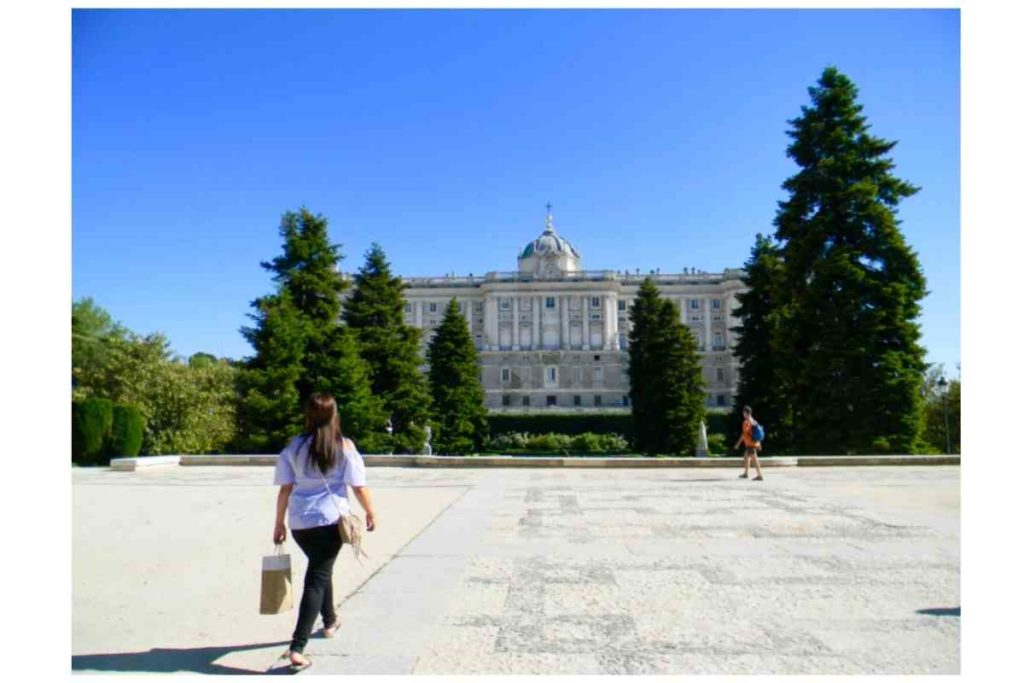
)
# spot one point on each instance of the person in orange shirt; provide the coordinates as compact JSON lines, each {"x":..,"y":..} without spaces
{"x":752,"y":447}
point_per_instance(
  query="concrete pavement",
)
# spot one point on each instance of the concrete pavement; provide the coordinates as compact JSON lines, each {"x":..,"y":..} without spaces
{"x":816,"y":570}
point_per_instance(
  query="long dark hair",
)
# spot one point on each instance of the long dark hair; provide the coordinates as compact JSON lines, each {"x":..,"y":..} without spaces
{"x":324,"y":430}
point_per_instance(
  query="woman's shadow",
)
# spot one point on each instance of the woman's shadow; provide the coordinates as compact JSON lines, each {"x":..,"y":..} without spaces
{"x":201,"y":660}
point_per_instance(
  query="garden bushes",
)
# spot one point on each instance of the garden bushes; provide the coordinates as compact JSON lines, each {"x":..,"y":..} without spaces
{"x":587,"y":443}
{"x":100,"y":429}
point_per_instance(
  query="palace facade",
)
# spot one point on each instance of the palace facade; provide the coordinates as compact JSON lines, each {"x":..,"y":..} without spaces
{"x":553,"y":337}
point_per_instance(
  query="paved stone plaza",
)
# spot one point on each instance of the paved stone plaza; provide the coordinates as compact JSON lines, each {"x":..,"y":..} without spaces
{"x":502,"y":571}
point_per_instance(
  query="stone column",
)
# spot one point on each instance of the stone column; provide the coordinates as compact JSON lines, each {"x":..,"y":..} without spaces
{"x":564,"y":306}
{"x":515,"y":323}
{"x":491,"y":321}
{"x":468,"y":303}
{"x":611,"y":336}
{"x":585,"y":311}
{"x":538,"y":302}
{"x":417,"y":308}
{"x":706,"y":312}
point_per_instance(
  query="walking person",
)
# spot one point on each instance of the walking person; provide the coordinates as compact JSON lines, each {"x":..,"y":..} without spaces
{"x":314,"y":472}
{"x":750,"y":444}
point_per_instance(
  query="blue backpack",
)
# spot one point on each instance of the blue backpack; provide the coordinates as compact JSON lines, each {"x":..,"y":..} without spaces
{"x":757,"y":432}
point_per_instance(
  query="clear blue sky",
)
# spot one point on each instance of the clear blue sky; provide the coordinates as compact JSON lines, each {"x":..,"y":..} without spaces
{"x":659,"y":136}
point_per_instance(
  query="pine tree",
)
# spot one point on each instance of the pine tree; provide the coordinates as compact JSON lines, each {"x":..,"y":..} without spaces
{"x":301,"y":346}
{"x":679,"y":402}
{"x":666,"y":387}
{"x":458,"y":399}
{"x":270,"y":404}
{"x":851,"y":363}
{"x":390,"y":349}
{"x":642,"y":365}
{"x":759,"y":381}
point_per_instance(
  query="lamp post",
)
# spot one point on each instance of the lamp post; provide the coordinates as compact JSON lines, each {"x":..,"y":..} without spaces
{"x":944,"y":389}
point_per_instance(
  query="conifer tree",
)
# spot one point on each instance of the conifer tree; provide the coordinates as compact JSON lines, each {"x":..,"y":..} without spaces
{"x":759,"y":382}
{"x":458,"y":399}
{"x":666,"y":386}
{"x":374,"y":311}
{"x":301,"y":346}
{"x":642,"y":366}
{"x":680,"y":397}
{"x":851,"y":362}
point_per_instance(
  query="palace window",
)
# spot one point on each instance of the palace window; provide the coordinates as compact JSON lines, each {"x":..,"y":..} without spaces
{"x":478,"y":307}
{"x":695,"y":304}
{"x":719,"y":344}
{"x":552,"y":400}
{"x":506,"y":304}
{"x":720,"y":374}
{"x":622,"y":305}
{"x":595,"y":302}
{"x":506,"y":400}
{"x":433,"y":307}
{"x":716,"y":303}
{"x":549,"y":302}
{"x":595,"y":316}
{"x":550,"y":375}
{"x":597,"y":400}
{"x":526,"y":400}
{"x":625,"y":399}
{"x":506,"y":374}
{"x":408,"y":308}
{"x":721,"y":400}
{"x":623,"y":340}
{"x":577,"y":400}
{"x":598,"y":375}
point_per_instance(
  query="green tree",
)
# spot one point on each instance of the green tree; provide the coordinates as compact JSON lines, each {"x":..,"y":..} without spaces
{"x":667,"y":390}
{"x":938,"y":414}
{"x":849,"y":357}
{"x":93,"y":331}
{"x":302,"y":348}
{"x":458,"y":399}
{"x":390,"y":349}
{"x":759,"y":383}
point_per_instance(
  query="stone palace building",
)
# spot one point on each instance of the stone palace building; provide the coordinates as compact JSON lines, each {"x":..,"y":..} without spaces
{"x":553,"y":337}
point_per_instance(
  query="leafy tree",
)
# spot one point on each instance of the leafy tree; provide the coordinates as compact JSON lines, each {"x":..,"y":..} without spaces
{"x":849,"y":357}
{"x":666,"y":385}
{"x":301,"y":347}
{"x":390,"y":349}
{"x":202,"y":360}
{"x":93,"y":330}
{"x":937,"y":415}
{"x":760,"y":383}
{"x":458,"y":398}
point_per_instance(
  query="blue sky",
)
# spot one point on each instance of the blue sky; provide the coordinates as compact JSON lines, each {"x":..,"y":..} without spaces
{"x":658,"y":136}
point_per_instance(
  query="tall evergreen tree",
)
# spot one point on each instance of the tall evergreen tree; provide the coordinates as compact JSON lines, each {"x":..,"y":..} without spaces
{"x":848,"y":333}
{"x":759,"y":383}
{"x":458,"y":399}
{"x":679,"y":403}
{"x":374,"y":311}
{"x":643,"y":367}
{"x":665,"y":383}
{"x":301,"y":346}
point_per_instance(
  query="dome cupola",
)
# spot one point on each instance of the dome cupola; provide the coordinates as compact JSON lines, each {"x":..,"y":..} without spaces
{"x":549,"y":254}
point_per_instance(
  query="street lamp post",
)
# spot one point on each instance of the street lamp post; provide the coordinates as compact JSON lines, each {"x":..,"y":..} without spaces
{"x":944,"y":389}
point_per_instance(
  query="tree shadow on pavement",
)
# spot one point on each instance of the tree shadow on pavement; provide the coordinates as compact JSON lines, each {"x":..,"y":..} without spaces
{"x":200,"y":660}
{"x":941,"y":611}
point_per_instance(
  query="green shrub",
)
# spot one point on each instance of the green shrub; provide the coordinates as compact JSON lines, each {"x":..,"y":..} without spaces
{"x":588,"y":442}
{"x":91,"y":420}
{"x":126,"y":432}
{"x":549,"y":443}
{"x":717,"y":444}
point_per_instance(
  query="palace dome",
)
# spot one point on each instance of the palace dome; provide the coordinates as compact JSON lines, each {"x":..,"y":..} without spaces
{"x":549,"y":242}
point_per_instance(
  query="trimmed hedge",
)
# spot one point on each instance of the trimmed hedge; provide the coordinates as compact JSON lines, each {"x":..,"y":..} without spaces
{"x":126,"y":432}
{"x":587,"y":443}
{"x":718,"y":422}
{"x":91,"y":420}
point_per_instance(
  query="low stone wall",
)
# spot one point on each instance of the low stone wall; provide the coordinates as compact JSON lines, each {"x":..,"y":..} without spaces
{"x":132,"y":464}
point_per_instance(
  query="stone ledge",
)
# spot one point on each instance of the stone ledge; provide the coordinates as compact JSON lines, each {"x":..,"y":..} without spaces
{"x":132,"y":464}
{"x":487,"y":461}
{"x":875,"y":460}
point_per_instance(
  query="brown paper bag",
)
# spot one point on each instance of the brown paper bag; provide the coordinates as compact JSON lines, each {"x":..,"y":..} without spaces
{"x":276,"y":588}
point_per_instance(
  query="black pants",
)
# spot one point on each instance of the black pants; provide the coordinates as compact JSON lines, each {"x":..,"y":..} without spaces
{"x":321,"y":545}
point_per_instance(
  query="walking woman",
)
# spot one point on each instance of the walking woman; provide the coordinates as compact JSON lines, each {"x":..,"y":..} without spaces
{"x":314,"y":472}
